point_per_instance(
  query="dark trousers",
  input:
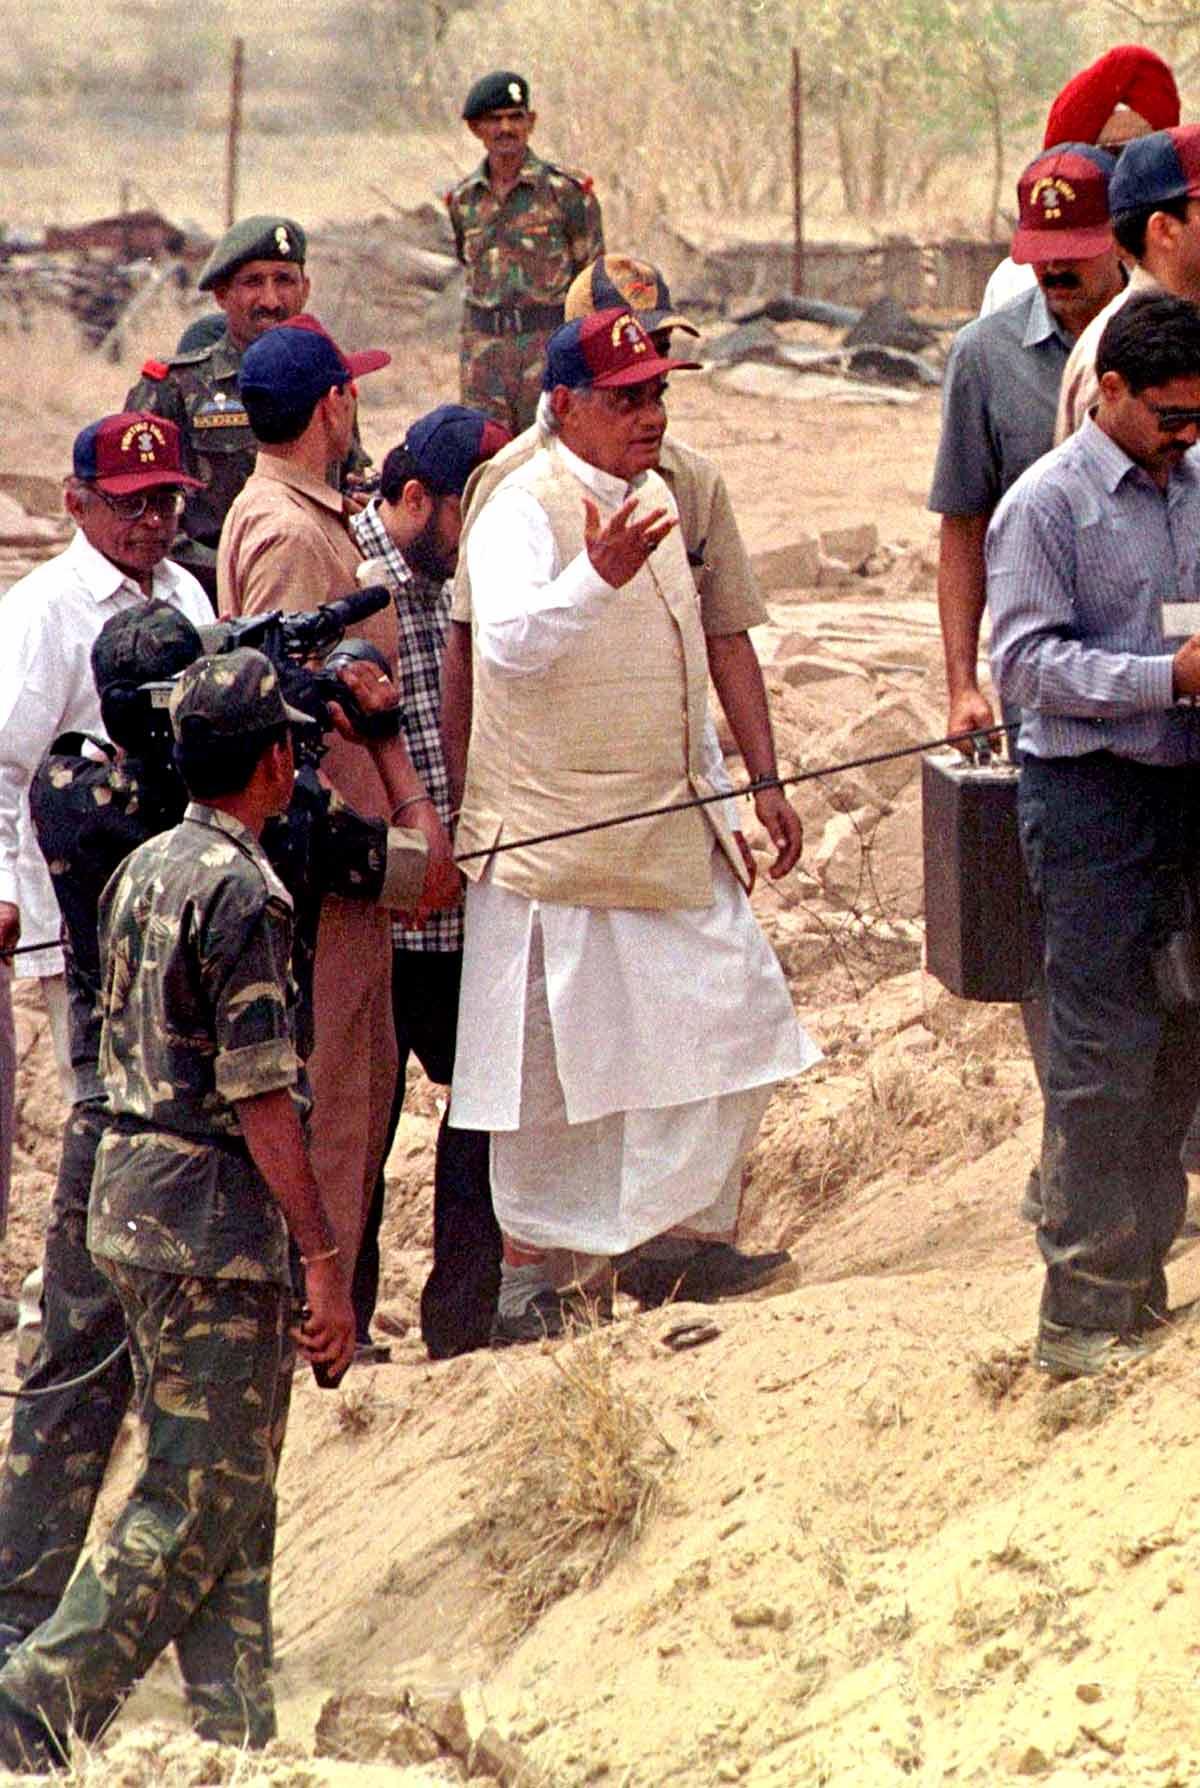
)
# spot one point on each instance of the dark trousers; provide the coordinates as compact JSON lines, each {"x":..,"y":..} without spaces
{"x":1104,"y":840}
{"x":59,"y":1444}
{"x":458,"y":1302}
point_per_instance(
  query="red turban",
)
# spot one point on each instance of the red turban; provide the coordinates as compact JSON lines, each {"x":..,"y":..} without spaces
{"x":1128,"y":75}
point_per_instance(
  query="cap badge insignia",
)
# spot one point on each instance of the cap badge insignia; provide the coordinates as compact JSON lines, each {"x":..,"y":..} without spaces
{"x":1052,"y":195}
{"x":282,"y":242}
{"x":627,"y":330}
{"x":514,"y":92}
{"x":145,"y":436}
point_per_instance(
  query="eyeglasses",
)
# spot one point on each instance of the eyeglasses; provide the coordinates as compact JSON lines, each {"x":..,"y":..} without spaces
{"x":166,"y":503}
{"x":626,"y":400}
{"x":1172,"y":421}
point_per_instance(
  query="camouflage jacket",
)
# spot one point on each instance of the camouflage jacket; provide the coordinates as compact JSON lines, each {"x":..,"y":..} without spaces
{"x":91,"y":811}
{"x":199,"y":393}
{"x":528,"y":247}
{"x":195,"y":940}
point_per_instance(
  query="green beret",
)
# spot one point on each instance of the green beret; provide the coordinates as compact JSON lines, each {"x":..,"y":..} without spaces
{"x":495,"y":93}
{"x":253,"y":239}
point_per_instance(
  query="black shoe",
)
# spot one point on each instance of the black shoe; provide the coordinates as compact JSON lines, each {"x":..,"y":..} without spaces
{"x":716,"y":1270}
{"x":541,"y":1319}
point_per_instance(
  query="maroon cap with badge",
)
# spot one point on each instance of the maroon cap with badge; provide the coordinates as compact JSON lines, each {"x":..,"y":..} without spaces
{"x":130,"y":452}
{"x":604,"y":350}
{"x":1063,"y":196}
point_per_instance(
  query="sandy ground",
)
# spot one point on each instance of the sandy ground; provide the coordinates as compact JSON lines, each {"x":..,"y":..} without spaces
{"x":881,"y":1549}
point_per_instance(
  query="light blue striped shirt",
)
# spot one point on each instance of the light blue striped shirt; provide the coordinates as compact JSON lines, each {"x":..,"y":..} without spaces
{"x":1081,"y":555}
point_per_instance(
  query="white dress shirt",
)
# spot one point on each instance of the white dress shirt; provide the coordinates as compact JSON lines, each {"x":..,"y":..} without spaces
{"x":48,"y":623}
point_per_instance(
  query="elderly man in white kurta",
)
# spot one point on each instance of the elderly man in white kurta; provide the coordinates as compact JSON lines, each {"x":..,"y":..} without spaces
{"x":623,"y":1019}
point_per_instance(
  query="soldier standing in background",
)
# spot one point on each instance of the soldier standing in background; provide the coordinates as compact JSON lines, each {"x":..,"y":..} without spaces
{"x":256,"y":274}
{"x":523,"y":228}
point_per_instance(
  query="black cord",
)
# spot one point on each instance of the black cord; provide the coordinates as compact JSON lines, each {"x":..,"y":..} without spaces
{"x":70,"y":1384}
{"x":978,"y":738}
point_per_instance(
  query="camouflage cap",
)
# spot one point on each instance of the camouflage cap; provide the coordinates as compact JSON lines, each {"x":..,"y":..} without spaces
{"x":496,"y":92}
{"x":233,"y":694}
{"x":253,"y":239}
{"x":144,"y":643}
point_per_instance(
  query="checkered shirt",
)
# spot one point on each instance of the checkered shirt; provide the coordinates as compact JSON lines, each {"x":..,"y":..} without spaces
{"x":423,"y":612}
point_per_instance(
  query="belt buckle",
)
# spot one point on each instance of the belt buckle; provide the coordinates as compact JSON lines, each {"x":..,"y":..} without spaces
{"x":510,"y":319}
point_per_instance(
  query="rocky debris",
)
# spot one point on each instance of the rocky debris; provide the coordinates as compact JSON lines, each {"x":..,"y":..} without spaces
{"x":886,"y":324}
{"x":788,"y":309}
{"x":94,"y":270}
{"x":893,"y":365}
{"x":784,"y":381}
{"x":413,"y":1726}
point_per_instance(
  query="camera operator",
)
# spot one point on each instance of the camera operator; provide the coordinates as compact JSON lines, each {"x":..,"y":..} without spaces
{"x":92,"y":804}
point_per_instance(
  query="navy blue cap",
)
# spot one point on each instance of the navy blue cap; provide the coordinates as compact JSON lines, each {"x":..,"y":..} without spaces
{"x":448,"y":444}
{"x":1155,"y":169}
{"x":297,"y":362}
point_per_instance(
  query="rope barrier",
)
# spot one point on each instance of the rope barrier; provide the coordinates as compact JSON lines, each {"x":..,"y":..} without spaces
{"x":979,"y":740}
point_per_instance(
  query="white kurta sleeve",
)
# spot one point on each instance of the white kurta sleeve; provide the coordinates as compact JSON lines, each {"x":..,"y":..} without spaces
{"x":526,"y":609}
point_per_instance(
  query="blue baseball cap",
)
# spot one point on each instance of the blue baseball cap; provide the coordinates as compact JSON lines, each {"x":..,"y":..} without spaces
{"x":297,"y":362}
{"x":1155,"y":169}
{"x":448,"y":444}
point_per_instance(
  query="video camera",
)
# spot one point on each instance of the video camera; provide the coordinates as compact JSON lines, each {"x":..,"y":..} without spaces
{"x":291,"y":641}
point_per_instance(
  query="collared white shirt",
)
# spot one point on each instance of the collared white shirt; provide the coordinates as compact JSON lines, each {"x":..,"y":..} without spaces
{"x":48,"y":623}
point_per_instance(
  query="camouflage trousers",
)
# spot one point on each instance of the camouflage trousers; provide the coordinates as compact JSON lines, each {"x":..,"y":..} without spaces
{"x":60,"y":1443}
{"x":188,"y":1561}
{"x":502,"y":375}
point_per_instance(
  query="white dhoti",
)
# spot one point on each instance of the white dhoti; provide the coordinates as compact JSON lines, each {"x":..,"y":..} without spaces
{"x":622,"y":1061}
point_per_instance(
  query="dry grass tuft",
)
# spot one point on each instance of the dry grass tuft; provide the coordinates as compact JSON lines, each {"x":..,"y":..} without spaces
{"x":356,"y":1409}
{"x":581,"y":1464}
{"x":159,"y":1756}
{"x":997,"y":1374}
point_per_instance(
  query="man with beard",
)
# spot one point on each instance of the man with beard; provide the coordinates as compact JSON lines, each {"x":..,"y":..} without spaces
{"x":410,"y":533}
{"x":1082,"y":556}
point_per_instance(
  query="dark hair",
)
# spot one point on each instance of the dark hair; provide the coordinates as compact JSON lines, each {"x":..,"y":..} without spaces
{"x":399,"y":468}
{"x":212,"y":766}
{"x":274,"y":423}
{"x":1150,"y":340}
{"x":1130,"y":228}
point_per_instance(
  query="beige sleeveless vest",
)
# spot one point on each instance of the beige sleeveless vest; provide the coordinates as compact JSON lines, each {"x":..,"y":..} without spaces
{"x":613,"y":726}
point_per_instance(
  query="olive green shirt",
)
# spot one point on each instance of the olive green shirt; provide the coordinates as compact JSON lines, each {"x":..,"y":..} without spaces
{"x":195,"y":938}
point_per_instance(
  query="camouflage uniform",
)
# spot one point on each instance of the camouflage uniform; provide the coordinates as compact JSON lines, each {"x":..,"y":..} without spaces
{"x":521,"y":253}
{"x":198,"y":392}
{"x":196,"y":936}
{"x":90,"y":814}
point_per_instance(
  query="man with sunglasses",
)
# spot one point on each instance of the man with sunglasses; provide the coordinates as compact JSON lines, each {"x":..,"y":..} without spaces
{"x":125,"y":494}
{"x":1082,"y":556}
{"x":1154,"y":200}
